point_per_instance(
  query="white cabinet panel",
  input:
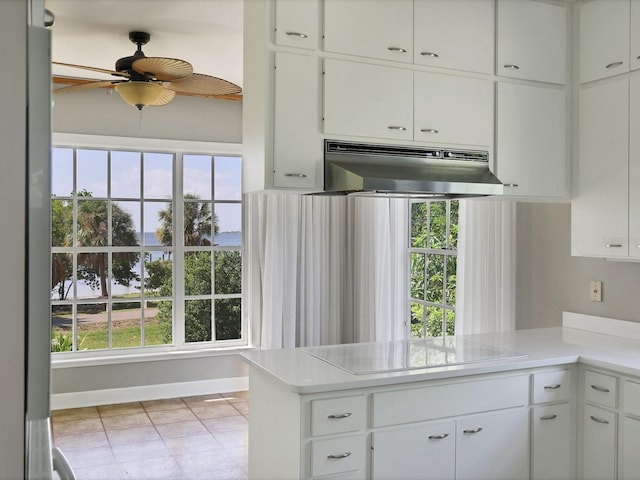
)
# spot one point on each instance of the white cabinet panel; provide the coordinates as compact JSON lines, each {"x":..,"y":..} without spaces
{"x":297,"y":23}
{"x":601,"y":389}
{"x":634,"y":166}
{"x":604,"y":39}
{"x":632,"y":397}
{"x":532,"y":40}
{"x":458,"y":35}
{"x":630,"y":459}
{"x":552,"y":440}
{"x":531,"y":140}
{"x":338,"y":415}
{"x":368,"y":100}
{"x":453,"y":109}
{"x":634,"y":47}
{"x":552,"y":386}
{"x":375,"y":28}
{"x":599,"y":444}
{"x":337,"y":455}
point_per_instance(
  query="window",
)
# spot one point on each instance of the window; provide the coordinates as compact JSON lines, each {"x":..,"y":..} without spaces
{"x":146,"y":249}
{"x":433,"y":258}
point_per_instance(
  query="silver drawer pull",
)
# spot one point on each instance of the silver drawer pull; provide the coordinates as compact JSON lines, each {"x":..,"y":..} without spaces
{"x":549,"y":417}
{"x":510,"y":66}
{"x":513,"y":185}
{"x":297,"y":175}
{"x":614,"y":64}
{"x":395,"y":127}
{"x":552,"y":387}
{"x":475,"y":430}
{"x":429,"y":130}
{"x":340,"y":415}
{"x":599,"y":420}
{"x":438,"y":437}
{"x":600,"y":389}
{"x":339,"y":455}
{"x":613,"y":245}
{"x":397,"y":49}
{"x":297,"y":34}
{"x":429,"y":54}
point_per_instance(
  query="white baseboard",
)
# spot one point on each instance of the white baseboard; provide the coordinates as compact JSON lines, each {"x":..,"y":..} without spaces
{"x":60,"y":401}
{"x":606,"y":326}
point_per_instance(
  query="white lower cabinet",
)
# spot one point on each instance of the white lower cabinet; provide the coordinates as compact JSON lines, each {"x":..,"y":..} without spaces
{"x":552,"y":432}
{"x":599,"y":444}
{"x":630,"y":460}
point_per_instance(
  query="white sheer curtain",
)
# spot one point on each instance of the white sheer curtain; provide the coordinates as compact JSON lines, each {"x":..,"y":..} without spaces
{"x":485,"y":289}
{"x":325,"y":270}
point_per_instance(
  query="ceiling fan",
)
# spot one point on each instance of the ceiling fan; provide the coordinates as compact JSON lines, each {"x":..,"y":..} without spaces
{"x":145,"y":81}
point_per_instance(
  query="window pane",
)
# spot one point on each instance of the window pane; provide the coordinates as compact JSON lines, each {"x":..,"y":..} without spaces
{"x":93,"y":326}
{"x":451,"y":279}
{"x":61,"y":223}
{"x":438,"y":226}
{"x":228,"y":319}
{"x":451,"y":321}
{"x":125,"y":223}
{"x":435,"y":280}
{"x":125,"y":174}
{"x":92,"y":275}
{"x":61,"y":276}
{"x":93,"y":226}
{"x":229,"y":220}
{"x":126,"y":325}
{"x":453,"y":225}
{"x":158,"y":175}
{"x":61,"y":328}
{"x":419,"y":224}
{"x":228,"y":178}
{"x":417,"y":320}
{"x":197,"y":223}
{"x":197,"y":273}
{"x":92,"y":172}
{"x":62,"y":172}
{"x":158,"y":224}
{"x":197,"y":176}
{"x":435,"y":316}
{"x":197,"y":320}
{"x":158,"y":275}
{"x":228,"y":272}
{"x":126,"y":274}
{"x":158,"y":323}
{"x":417,"y":275}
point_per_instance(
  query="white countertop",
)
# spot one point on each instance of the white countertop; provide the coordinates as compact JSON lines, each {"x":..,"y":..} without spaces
{"x":304,"y":373}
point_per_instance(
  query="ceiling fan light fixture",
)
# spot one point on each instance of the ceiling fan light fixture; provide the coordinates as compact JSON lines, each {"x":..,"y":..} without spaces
{"x":139,"y":94}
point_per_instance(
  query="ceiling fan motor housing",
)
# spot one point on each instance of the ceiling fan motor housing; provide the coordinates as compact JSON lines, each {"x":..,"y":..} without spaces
{"x":124,"y":64}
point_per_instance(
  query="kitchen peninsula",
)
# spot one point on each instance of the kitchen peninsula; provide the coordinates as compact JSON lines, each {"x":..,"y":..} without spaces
{"x":542,"y":403}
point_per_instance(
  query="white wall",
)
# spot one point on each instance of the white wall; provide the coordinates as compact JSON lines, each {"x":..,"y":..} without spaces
{"x":13,"y":38}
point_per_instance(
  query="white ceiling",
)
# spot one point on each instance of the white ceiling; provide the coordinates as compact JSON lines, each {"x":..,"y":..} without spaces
{"x":206,"y":33}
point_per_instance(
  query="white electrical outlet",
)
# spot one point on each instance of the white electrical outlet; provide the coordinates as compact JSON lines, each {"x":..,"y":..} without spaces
{"x":595,"y":291}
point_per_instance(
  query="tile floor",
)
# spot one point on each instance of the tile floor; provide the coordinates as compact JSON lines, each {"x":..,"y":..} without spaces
{"x":202,"y":437}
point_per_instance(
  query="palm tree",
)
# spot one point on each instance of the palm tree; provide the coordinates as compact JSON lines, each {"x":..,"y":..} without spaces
{"x":197,"y":223}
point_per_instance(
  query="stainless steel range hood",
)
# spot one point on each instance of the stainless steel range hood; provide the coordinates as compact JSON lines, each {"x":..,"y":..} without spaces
{"x":406,"y":171}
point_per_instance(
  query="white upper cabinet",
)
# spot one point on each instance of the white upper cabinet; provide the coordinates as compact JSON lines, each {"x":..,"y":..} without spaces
{"x":634,"y":167}
{"x":634,"y":48}
{"x":374,"y":28}
{"x":532,"y":41}
{"x":297,"y":23}
{"x":604,"y":38}
{"x":457,"y":35}
{"x":531,"y":149}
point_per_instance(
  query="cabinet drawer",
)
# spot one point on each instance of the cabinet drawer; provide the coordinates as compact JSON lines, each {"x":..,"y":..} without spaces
{"x":551,"y":386}
{"x":337,"y":455}
{"x":440,"y":401}
{"x":632,"y":397}
{"x":337,"y":415}
{"x":601,"y":389}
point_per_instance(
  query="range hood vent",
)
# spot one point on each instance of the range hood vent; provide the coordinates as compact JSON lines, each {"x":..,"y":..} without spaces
{"x":407,"y":171}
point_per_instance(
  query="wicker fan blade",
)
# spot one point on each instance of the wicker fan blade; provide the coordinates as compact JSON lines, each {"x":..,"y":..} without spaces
{"x":166,"y":97}
{"x":85,"y":86}
{"x":93,"y":69}
{"x":165,"y":69}
{"x":204,"y":85}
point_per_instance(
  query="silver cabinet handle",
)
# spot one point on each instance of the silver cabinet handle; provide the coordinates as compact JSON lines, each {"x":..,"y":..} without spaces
{"x":613,"y":245}
{"x":600,"y":389}
{"x":339,"y":455}
{"x":429,"y":130}
{"x":549,"y":417}
{"x":599,"y":420}
{"x":511,"y":66}
{"x":614,"y":64}
{"x":396,"y":49}
{"x":475,"y":430}
{"x":395,"y":127}
{"x":297,"y":175}
{"x":438,"y":437}
{"x":297,"y":34}
{"x":552,"y":387}
{"x":429,"y":54}
{"x":514,"y":185}
{"x":340,"y":415}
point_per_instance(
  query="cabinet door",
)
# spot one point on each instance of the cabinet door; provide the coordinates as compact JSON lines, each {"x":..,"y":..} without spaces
{"x":455,"y":35}
{"x":531,"y":140}
{"x":452,"y":109}
{"x":634,"y":166}
{"x":532,"y":40}
{"x":297,"y":146}
{"x":493,"y":446}
{"x":375,"y":28}
{"x":552,"y":440}
{"x":604,"y":39}
{"x":630,"y":460}
{"x":426,"y":451}
{"x":599,"y":444}
{"x":298,"y":23}
{"x":634,"y":47}
{"x":599,"y":203}
{"x":368,"y":100}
